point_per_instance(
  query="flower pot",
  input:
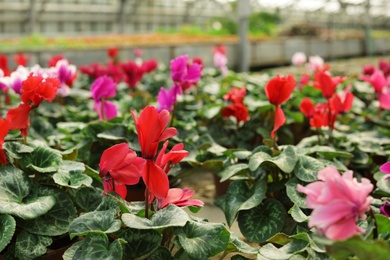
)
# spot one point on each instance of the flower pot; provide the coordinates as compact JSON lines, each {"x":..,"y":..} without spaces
{"x":220,"y":187}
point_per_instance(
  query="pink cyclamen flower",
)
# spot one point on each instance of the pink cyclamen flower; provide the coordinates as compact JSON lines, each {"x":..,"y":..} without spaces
{"x":315,"y":63}
{"x":338,"y":201}
{"x":384,"y":98}
{"x":14,"y":80}
{"x":108,"y":112}
{"x":220,"y":61}
{"x":102,"y":89}
{"x":180,"y":198}
{"x":184,"y":72}
{"x":167,"y":98}
{"x":377,"y":80}
{"x":298,"y":59}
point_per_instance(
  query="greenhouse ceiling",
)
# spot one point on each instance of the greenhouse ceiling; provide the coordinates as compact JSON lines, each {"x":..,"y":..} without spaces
{"x":351,"y":7}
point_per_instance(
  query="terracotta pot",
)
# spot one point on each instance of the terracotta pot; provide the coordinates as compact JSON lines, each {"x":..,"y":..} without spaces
{"x":220,"y":187}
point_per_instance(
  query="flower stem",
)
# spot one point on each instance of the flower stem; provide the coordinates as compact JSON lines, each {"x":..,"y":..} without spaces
{"x":102,"y":109}
{"x":375,"y":231}
{"x":146,"y":203}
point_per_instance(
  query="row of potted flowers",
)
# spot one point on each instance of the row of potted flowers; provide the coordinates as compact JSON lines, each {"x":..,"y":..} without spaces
{"x":306,"y":157}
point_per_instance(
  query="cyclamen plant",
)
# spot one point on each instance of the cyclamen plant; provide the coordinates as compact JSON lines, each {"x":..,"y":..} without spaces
{"x":133,"y":230}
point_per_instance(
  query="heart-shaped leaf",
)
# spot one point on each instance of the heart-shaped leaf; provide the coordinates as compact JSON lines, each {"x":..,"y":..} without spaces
{"x":140,"y":243}
{"x":298,"y":198}
{"x":232,"y":170}
{"x":203,"y":240}
{"x":30,"y":246}
{"x":14,"y":190}
{"x":57,"y":220}
{"x":104,"y":221}
{"x":240,"y":196}
{"x":286,"y":160}
{"x":171,"y":216}
{"x":96,"y":246}
{"x":260,"y":223}
{"x":7,"y":230}
{"x":307,"y":168}
{"x":42,"y":159}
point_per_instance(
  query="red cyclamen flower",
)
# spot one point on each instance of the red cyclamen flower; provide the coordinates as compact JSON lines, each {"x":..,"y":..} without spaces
{"x":236,"y":95}
{"x":238,"y":110}
{"x":18,"y":116}
{"x":120,"y":166}
{"x":5,"y":126}
{"x":175,"y":155}
{"x":152,"y":129}
{"x":21,"y":59}
{"x":278,"y":91}
{"x":326,"y":83}
{"x":35,"y":89}
{"x":112,"y":52}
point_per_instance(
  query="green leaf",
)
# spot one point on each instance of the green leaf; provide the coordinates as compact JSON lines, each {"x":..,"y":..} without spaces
{"x":14,"y":189}
{"x":362,"y":249}
{"x":211,"y":110}
{"x":116,"y":133}
{"x":285,"y":161}
{"x":140,"y":243}
{"x":203,"y":240}
{"x":104,"y":221}
{"x":260,"y":223}
{"x":15,"y":149}
{"x":237,"y":245}
{"x":232,"y":170}
{"x":88,"y":198}
{"x":269,"y":251}
{"x":70,"y":127}
{"x":74,"y":181}
{"x":71,"y":167}
{"x":96,"y":246}
{"x":42,"y":159}
{"x":7,"y":230}
{"x":162,"y":253}
{"x":307,"y":168}
{"x":241,"y":197}
{"x":171,"y":216}
{"x":298,"y":198}
{"x":57,"y":220}
{"x":71,"y":251}
{"x":383,"y":184}
{"x":30,"y":246}
{"x":71,"y":175}
{"x":298,"y":214}
{"x":383,"y":223}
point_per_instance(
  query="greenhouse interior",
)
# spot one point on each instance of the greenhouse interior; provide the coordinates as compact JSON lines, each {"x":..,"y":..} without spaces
{"x":195,"y":129}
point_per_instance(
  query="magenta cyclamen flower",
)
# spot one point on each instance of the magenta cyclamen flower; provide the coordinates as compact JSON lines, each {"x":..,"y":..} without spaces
{"x":102,"y":89}
{"x":167,"y":98}
{"x":184,"y":72}
{"x":385,"y":168}
{"x":338,"y":201}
